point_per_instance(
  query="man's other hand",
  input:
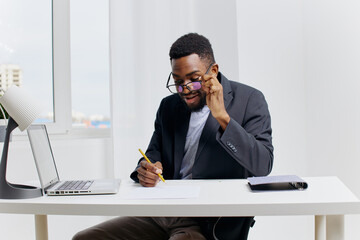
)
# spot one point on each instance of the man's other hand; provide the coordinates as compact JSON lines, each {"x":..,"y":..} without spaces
{"x":215,"y":99}
{"x":148,"y":173}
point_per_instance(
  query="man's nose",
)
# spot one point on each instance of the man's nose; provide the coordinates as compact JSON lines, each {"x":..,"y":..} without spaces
{"x":186,"y":87}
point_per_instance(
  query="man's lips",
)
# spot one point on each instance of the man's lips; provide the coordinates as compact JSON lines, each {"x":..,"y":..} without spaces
{"x":190,"y":97}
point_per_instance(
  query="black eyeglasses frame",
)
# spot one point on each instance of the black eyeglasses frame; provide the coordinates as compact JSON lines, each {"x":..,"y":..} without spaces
{"x":186,"y":85}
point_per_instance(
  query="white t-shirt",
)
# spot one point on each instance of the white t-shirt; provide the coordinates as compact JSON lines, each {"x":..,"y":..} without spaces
{"x":196,"y":125}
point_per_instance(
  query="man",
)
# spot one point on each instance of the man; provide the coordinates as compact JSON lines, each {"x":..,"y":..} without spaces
{"x":210,"y":128}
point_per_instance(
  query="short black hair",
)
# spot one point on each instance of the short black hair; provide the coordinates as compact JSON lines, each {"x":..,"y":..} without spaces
{"x":192,"y":43}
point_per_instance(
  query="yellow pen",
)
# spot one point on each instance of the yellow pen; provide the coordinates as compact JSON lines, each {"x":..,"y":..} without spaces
{"x":161,"y":177}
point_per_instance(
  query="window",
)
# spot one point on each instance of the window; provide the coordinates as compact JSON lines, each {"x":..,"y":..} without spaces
{"x":89,"y":31}
{"x":70,"y":75}
{"x":26,"y":49}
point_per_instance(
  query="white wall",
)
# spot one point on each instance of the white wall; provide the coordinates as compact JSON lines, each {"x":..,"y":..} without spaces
{"x":141,"y":34}
{"x":332,"y":73}
{"x":303,"y":55}
{"x":332,"y":68}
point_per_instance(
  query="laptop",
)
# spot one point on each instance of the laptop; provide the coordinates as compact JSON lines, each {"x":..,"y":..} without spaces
{"x":48,"y":174}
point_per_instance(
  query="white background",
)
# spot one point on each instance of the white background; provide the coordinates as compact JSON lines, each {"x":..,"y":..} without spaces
{"x":303,"y":55}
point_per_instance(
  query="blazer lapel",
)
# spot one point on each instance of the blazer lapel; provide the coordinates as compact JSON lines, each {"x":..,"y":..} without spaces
{"x":227,"y":90}
{"x":211,"y":126}
{"x":181,"y":127}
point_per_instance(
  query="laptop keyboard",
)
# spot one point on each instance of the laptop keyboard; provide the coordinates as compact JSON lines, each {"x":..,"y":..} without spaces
{"x":75,"y":185}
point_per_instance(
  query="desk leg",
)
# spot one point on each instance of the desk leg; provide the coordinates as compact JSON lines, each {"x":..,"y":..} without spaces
{"x":335,"y":227}
{"x":41,"y":227}
{"x":329,"y":227}
{"x":320,"y":227}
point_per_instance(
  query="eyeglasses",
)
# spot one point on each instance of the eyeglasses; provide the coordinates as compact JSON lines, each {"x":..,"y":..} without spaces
{"x":194,"y":85}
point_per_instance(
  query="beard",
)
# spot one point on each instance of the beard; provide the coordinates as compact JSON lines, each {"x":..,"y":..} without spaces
{"x":196,"y":106}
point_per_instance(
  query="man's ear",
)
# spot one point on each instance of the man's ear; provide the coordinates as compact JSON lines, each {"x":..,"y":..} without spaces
{"x":215,"y":69}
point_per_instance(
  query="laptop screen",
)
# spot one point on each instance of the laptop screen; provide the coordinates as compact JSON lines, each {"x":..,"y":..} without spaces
{"x":43,"y":155}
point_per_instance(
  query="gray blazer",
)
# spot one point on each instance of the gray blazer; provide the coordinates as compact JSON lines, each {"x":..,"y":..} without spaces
{"x":244,"y":149}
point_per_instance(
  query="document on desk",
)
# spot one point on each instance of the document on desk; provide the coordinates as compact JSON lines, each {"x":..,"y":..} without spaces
{"x":280,"y":182}
{"x":163,"y":191}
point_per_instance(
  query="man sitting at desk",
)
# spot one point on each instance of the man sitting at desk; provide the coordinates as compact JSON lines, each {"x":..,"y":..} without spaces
{"x":209,"y":128}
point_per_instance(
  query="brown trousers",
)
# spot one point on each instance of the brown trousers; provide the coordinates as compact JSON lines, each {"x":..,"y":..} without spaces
{"x":143,"y":228}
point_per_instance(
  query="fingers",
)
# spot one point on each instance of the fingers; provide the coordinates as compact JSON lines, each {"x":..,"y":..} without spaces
{"x":155,"y":168}
{"x":148,"y":173}
{"x":210,"y":84}
{"x":214,"y":89}
{"x":159,"y":166}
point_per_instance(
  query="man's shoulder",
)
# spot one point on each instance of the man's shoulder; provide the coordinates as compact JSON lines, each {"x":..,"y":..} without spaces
{"x":241,"y":86}
{"x":172,"y":101}
{"x":238,"y":87}
{"x":173,"y":98}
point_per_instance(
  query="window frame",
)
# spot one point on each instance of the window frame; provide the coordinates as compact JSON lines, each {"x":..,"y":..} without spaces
{"x":62,"y":77}
{"x":61,"y":66}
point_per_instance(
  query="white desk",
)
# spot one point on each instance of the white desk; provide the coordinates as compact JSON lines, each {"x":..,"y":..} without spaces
{"x":326,"y":197}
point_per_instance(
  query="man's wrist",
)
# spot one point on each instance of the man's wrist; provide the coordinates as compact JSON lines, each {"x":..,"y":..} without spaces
{"x":223,"y":120}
